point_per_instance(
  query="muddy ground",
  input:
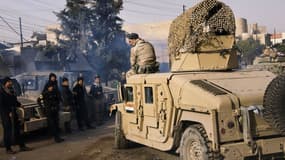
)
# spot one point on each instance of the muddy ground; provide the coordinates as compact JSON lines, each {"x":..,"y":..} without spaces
{"x":103,"y":150}
{"x":95,"y":144}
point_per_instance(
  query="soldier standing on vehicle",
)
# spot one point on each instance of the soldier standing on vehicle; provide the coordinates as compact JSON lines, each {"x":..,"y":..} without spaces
{"x":51,"y":101}
{"x":9,"y":117}
{"x":67,"y":102}
{"x":80,"y":105}
{"x":97,"y":93}
{"x":142,"y":58}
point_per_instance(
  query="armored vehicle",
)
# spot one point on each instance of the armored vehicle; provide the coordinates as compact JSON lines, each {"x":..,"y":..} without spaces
{"x":204,"y":108}
{"x":32,"y":83}
{"x":270,"y":60}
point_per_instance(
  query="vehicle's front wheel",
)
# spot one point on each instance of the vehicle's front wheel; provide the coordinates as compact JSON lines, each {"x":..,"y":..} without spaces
{"x":195,"y":144}
{"x":120,"y":140}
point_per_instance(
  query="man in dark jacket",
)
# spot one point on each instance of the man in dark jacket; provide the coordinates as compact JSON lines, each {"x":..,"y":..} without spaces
{"x":51,"y":102}
{"x":80,"y":105}
{"x":97,"y":93}
{"x":9,"y":117}
{"x":53,"y":81}
{"x":67,"y":101}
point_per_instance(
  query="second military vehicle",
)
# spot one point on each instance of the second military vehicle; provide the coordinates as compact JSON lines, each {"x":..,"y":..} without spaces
{"x":205,"y":108}
{"x":270,"y":60}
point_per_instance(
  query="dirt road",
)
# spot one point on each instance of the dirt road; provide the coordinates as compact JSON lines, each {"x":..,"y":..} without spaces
{"x":95,"y":144}
{"x":103,"y":150}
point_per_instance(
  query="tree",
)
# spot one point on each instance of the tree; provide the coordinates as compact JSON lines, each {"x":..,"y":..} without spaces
{"x":280,"y":47}
{"x":72,"y":19}
{"x":93,"y":28}
{"x":249,"y":49}
{"x":109,"y":50}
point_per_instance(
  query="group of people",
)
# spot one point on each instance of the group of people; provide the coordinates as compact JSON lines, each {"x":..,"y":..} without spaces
{"x":73,"y":100}
{"x":53,"y":99}
{"x":142,"y":59}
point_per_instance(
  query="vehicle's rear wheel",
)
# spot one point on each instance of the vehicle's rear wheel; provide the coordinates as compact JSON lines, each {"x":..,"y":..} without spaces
{"x":120,"y":140}
{"x":274,"y":102}
{"x":195,"y":144}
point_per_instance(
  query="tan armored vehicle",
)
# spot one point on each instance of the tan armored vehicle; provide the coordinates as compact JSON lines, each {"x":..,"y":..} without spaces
{"x":205,"y":108}
{"x":270,"y":60}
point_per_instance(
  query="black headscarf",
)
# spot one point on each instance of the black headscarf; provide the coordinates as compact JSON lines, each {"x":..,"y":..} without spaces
{"x":5,"y":80}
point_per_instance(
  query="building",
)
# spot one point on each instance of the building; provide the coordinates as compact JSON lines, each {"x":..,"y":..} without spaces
{"x":245,"y":31}
{"x":257,"y":29}
{"x":52,"y":33}
{"x":241,"y":26}
{"x":277,"y":38}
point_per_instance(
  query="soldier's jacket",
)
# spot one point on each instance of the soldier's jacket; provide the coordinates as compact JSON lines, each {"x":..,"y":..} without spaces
{"x":79,"y":96}
{"x":97,"y":91}
{"x":8,"y":102}
{"x":51,"y":101}
{"x":142,"y":54}
{"x":67,"y":96}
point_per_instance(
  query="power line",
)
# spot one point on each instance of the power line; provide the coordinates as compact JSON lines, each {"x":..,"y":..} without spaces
{"x":171,"y":2}
{"x":25,"y":28}
{"x":16,"y":28}
{"x":165,"y":2}
{"x":148,"y":6}
{"x":147,"y":13}
{"x":11,"y":27}
{"x":7,"y":38}
{"x":168,"y":4}
{"x":23,"y":14}
{"x":40,"y":4}
{"x":27,"y":24}
{"x":51,"y":4}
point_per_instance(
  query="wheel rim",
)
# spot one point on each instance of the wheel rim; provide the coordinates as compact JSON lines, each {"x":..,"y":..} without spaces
{"x":195,"y":150}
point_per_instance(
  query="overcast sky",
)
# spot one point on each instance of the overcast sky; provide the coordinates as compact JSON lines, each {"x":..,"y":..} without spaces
{"x":36,"y":14}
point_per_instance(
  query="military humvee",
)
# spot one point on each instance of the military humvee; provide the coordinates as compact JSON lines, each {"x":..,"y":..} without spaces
{"x":32,"y":83}
{"x":274,"y":64}
{"x":205,"y":108}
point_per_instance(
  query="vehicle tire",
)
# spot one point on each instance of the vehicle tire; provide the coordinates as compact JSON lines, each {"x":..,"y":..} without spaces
{"x":195,"y":144}
{"x":120,"y":141}
{"x":274,"y":103}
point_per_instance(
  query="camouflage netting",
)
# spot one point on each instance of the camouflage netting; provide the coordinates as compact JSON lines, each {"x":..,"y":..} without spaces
{"x":189,"y":30}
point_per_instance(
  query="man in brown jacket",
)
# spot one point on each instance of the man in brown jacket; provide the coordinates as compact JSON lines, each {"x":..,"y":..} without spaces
{"x":142,"y":58}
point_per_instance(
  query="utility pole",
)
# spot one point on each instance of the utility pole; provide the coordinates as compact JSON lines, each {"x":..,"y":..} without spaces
{"x":21,"y":33}
{"x":184,"y":8}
